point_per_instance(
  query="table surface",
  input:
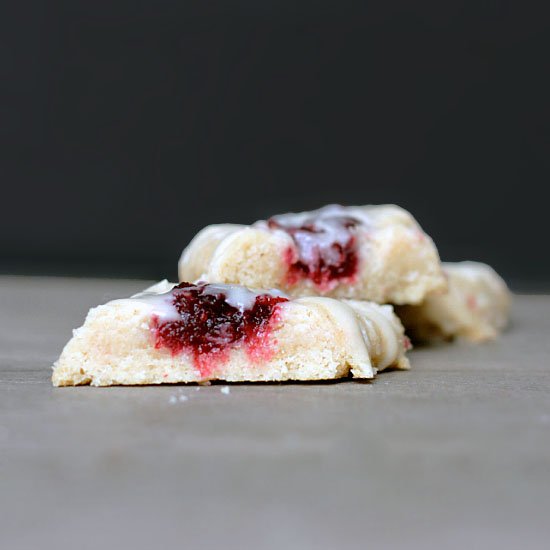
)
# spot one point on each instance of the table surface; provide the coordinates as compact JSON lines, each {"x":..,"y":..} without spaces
{"x":454,"y":453}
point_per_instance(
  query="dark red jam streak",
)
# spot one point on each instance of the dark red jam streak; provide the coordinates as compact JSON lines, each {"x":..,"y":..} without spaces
{"x":209,"y":326}
{"x":329,"y":262}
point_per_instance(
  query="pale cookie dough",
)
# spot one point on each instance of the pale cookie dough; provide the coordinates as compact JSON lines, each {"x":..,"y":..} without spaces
{"x":475,"y":308}
{"x":376,"y":253}
{"x":196,"y":333}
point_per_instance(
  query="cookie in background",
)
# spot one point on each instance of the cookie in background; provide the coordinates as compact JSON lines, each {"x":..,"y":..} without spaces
{"x":375,"y":253}
{"x":475,"y":308}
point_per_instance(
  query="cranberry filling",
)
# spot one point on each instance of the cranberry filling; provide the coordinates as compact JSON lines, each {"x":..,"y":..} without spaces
{"x":325,"y":249}
{"x":209,"y":324}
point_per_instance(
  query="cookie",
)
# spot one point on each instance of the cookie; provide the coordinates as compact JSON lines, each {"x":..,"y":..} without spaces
{"x":475,"y":308}
{"x":201,"y":332}
{"x":375,"y":253}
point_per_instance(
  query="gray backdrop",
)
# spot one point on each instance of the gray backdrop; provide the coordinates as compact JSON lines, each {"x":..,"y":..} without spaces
{"x":128,"y":126}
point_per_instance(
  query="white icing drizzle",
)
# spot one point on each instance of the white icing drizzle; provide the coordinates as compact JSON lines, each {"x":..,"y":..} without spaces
{"x":161,"y":287}
{"x":323,"y":214}
{"x":373,"y":334}
{"x":389,"y":341}
{"x":329,"y":230}
{"x":240,"y":297}
{"x":160,"y":297}
{"x":344,"y":317}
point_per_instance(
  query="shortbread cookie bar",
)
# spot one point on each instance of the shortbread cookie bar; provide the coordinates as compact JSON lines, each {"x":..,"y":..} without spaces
{"x":376,"y":253}
{"x":200,"y":332}
{"x":475,"y":307}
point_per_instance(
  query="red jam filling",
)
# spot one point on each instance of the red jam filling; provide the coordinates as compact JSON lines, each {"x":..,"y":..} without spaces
{"x":209,"y":325}
{"x":324,"y":251}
